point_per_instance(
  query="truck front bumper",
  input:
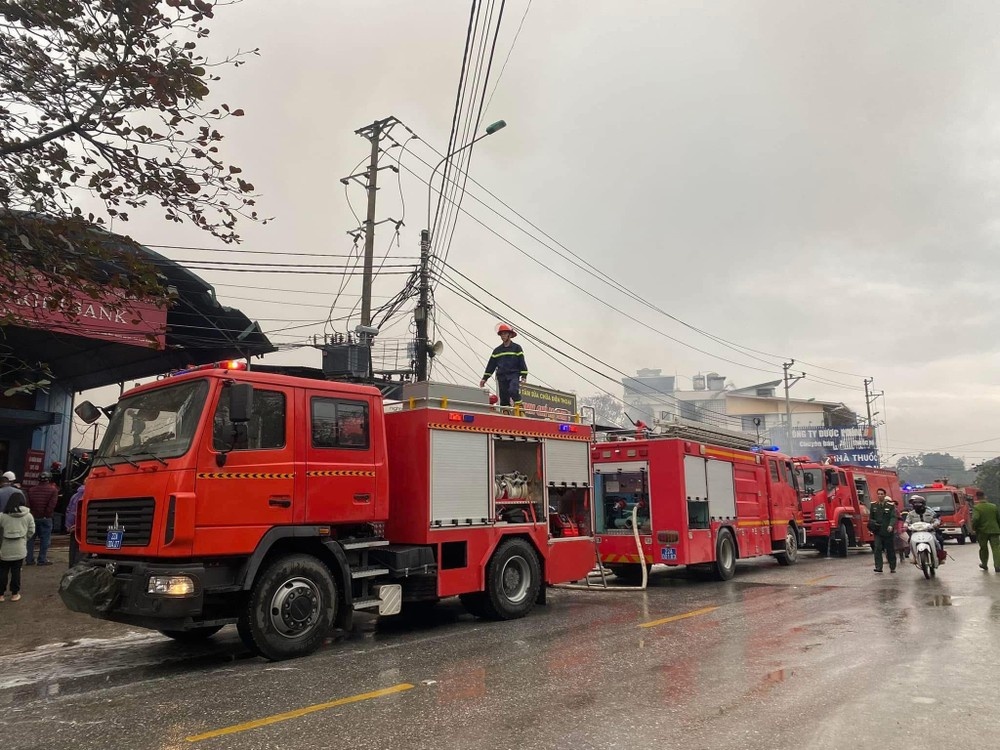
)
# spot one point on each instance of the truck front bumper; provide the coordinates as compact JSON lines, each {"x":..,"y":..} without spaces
{"x":118,"y":590}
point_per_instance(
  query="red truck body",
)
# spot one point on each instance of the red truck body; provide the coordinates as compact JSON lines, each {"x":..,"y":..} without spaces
{"x":836,"y":502}
{"x":699,"y":503}
{"x":284,"y":504}
{"x":953,"y":506}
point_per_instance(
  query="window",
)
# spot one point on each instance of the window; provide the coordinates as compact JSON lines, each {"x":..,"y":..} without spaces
{"x":775,"y":477}
{"x":266,"y":429}
{"x":339,"y":424}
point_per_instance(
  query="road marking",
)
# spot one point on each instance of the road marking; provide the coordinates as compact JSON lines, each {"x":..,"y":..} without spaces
{"x":298,"y":712}
{"x":817,"y":580}
{"x":675,"y":618}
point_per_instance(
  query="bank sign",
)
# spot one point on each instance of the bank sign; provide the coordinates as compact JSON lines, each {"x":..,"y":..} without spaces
{"x":846,"y":445}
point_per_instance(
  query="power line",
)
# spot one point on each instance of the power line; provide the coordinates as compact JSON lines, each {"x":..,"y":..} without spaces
{"x":507,"y":59}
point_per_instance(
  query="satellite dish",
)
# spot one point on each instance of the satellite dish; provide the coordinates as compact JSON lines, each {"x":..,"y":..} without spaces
{"x":435,"y":351}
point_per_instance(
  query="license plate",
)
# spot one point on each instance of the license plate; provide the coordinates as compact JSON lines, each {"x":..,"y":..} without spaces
{"x":115,"y":538}
{"x":668,"y":553}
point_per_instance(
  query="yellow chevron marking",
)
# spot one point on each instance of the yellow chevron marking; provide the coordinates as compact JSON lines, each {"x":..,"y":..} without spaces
{"x":244,"y":475}
{"x":341,"y":473}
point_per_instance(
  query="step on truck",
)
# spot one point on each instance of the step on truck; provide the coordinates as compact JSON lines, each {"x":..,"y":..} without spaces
{"x":285,"y":504}
{"x":836,"y":503}
{"x":701,"y":497}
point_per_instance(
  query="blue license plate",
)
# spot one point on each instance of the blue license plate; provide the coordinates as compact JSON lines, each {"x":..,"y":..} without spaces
{"x":668,"y":553}
{"x":115,"y":537}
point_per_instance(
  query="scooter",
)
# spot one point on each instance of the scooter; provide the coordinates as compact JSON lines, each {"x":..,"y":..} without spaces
{"x":922,"y":547}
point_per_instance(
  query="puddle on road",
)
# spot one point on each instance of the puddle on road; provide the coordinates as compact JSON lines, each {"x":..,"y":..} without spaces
{"x":939,"y":600}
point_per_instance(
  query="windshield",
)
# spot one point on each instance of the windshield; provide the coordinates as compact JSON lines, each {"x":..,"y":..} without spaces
{"x":941,"y":502}
{"x":159,"y":423}
{"x":810,"y":480}
{"x":617,"y":495}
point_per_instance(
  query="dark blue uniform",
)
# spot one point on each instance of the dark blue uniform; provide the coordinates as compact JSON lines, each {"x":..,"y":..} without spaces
{"x":507,"y":361}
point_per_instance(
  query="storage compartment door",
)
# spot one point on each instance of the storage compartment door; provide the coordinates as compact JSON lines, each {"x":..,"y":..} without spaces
{"x":696,"y":489}
{"x":567,"y":462}
{"x":721,"y":490}
{"x":460,"y":478}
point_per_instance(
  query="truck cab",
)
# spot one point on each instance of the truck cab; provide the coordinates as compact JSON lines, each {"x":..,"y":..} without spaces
{"x":953,"y":506}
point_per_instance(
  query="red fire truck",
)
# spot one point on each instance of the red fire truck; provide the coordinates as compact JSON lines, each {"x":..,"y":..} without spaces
{"x":836,"y":502}
{"x":953,"y":505}
{"x":702,"y":497}
{"x":283,"y":504}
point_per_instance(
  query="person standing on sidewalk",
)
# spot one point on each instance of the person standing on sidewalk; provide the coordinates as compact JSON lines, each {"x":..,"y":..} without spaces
{"x":986,"y":525}
{"x":16,"y":526}
{"x":882,"y":523}
{"x":42,"y":499}
{"x":74,"y":503}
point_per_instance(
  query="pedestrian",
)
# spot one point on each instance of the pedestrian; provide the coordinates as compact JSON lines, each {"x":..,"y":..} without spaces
{"x":16,"y":525}
{"x":507,"y":360}
{"x":42,"y":499}
{"x":986,"y":525}
{"x":7,"y":487}
{"x":901,"y":539}
{"x":882,"y":524}
{"x":74,"y":545}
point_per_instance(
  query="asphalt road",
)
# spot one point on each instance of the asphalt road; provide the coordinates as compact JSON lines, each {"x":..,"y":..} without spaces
{"x":822,"y":654}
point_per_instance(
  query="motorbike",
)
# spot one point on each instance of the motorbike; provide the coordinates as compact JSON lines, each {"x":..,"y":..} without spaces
{"x":923,"y":550}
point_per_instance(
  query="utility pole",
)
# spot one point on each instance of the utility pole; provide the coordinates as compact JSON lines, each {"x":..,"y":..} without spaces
{"x":373,"y":133}
{"x":789,"y":382}
{"x":868,"y":400}
{"x":423,"y":311}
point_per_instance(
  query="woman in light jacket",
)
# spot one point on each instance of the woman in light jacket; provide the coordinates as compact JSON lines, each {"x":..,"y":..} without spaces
{"x":16,"y":527}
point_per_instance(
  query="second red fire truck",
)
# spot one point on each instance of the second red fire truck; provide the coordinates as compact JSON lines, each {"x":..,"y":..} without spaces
{"x":701,"y":497}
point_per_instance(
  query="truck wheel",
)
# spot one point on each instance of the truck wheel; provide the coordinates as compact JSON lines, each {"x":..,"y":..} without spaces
{"x":842,"y":541}
{"x":961,"y":537}
{"x":291,"y":608}
{"x":513,"y":579}
{"x":791,"y":550}
{"x":193,"y":635}
{"x":725,"y":556}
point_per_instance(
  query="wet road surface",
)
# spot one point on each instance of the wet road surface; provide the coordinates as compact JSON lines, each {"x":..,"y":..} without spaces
{"x":821,"y":654}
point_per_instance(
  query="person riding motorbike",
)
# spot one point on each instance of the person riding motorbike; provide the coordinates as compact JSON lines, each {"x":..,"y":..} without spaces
{"x":920,"y":512}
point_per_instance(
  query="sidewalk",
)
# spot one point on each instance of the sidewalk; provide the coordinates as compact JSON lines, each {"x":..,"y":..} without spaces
{"x":40,"y":618}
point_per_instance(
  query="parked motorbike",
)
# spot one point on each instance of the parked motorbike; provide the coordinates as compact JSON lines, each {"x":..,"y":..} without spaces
{"x":923,"y":550}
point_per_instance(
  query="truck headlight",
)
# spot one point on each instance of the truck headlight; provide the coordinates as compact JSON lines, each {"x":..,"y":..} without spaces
{"x":171,"y":585}
{"x":820,"y":514}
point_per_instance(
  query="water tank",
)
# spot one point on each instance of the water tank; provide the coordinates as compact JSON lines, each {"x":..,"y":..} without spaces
{"x":699,"y":382}
{"x":716,"y":382}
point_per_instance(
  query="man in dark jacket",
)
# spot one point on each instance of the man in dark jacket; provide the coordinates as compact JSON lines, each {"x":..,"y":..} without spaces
{"x":883,"y":526}
{"x":507,"y":361}
{"x":42,"y":499}
{"x":986,"y":525}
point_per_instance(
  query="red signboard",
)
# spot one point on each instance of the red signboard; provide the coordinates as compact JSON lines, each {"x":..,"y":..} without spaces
{"x":34,"y":465}
{"x":131,"y":322}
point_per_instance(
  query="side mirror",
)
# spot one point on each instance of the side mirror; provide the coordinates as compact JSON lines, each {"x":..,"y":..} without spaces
{"x":240,"y":402}
{"x":87,"y":412}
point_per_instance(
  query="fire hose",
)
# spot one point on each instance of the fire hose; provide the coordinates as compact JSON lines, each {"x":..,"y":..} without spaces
{"x":600,"y":571}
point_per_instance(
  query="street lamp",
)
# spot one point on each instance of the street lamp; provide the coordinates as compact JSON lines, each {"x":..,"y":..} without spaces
{"x":422,"y":313}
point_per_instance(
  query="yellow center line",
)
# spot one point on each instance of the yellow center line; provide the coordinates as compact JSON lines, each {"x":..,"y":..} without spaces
{"x":297,"y":713}
{"x":675,"y":618}
{"x":817,"y":580}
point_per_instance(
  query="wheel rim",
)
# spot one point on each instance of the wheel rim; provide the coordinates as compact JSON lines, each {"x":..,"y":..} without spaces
{"x":726,"y":554}
{"x":295,"y":607}
{"x":515,"y":579}
{"x":791,"y":544}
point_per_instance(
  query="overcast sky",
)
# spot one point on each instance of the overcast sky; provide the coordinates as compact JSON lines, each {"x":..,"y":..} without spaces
{"x":811,"y":180}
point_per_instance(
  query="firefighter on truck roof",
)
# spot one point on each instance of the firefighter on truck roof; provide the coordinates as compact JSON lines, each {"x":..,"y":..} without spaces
{"x":507,"y":360}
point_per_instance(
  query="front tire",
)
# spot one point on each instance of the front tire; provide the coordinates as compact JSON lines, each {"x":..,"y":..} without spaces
{"x":843,"y":540}
{"x":291,"y":608}
{"x":513,"y":580}
{"x":925,"y":563}
{"x":725,"y":556}
{"x":791,"y":552}
{"x":961,"y":536}
{"x":194,"y":635}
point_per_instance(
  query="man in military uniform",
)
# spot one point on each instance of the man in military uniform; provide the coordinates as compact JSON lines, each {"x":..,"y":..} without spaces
{"x":986,"y":525}
{"x":883,"y":525}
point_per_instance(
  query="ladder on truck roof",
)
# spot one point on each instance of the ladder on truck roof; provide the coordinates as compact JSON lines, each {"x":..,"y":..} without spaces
{"x":686,"y":429}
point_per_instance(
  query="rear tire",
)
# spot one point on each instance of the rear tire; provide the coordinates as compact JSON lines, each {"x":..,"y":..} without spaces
{"x":791,"y":552}
{"x":628,"y":572}
{"x":291,"y":608}
{"x":843,"y":540}
{"x":194,"y":635}
{"x":724,"y":567}
{"x":513,"y":580}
